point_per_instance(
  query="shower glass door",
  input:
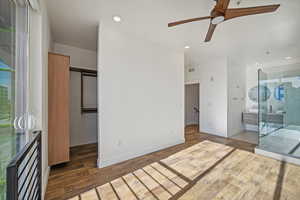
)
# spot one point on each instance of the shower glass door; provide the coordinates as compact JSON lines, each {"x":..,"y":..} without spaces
{"x":263,"y":94}
{"x":279,"y":110}
{"x":292,"y":113}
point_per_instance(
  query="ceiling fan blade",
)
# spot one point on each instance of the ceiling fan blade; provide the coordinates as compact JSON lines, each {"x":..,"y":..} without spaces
{"x":188,"y":21}
{"x":222,"y":4}
{"x":210,"y":32}
{"x":239,"y":12}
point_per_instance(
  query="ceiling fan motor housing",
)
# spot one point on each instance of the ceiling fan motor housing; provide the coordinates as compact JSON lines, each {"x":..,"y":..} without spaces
{"x":216,"y":13}
{"x":217,"y":16}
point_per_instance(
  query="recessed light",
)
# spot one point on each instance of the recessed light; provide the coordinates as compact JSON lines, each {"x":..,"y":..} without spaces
{"x":187,"y":47}
{"x":288,"y":58}
{"x":117,"y":18}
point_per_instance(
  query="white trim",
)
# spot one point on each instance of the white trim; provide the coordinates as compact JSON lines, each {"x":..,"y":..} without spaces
{"x":277,"y":156}
{"x":45,"y":182}
{"x":130,"y":155}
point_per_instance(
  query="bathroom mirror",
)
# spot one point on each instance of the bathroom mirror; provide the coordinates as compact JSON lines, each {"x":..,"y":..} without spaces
{"x":279,"y":93}
{"x":265,"y":93}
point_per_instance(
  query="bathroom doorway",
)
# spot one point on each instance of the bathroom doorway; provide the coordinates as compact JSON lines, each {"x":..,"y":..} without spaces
{"x":192,"y":112}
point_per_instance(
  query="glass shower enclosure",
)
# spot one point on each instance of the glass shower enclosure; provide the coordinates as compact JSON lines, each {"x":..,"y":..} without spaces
{"x":279,"y":110}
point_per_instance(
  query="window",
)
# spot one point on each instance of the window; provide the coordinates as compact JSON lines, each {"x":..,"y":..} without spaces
{"x":13,"y":82}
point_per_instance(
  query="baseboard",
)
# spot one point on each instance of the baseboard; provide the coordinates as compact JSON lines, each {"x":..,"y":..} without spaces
{"x":84,"y":143}
{"x":45,"y":182}
{"x":277,"y":156}
{"x":212,"y":132}
{"x":131,"y":155}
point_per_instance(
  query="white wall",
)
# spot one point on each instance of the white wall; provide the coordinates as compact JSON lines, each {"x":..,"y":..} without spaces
{"x":40,"y":44}
{"x":212,"y":76}
{"x":83,"y":58}
{"x":236,"y":88}
{"x":141,"y":97}
{"x":83,"y":127}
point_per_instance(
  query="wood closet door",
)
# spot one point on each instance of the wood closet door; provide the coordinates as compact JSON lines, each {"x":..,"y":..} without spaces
{"x":58,"y":108}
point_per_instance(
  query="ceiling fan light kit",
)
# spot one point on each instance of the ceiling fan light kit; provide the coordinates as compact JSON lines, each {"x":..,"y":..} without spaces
{"x":221,"y":13}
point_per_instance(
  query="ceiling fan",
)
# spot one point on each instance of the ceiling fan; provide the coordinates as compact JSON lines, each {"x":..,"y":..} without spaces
{"x":222,"y":13}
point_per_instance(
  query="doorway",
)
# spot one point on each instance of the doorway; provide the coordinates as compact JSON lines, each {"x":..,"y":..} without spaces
{"x":192,"y":112}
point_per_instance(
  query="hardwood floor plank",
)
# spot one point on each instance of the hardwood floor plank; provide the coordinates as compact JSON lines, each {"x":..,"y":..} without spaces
{"x":74,"y":198}
{"x":162,"y":180}
{"x":172,"y":176}
{"x":140,"y":190}
{"x":152,"y":185}
{"x":106,"y":192}
{"x":89,"y":195}
{"x":122,"y":190}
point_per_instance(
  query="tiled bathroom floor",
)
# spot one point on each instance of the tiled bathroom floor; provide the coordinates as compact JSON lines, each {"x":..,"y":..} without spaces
{"x":285,"y":140}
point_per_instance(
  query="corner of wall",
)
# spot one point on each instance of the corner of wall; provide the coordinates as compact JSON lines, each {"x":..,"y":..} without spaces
{"x":45,"y":182}
{"x":99,"y":92}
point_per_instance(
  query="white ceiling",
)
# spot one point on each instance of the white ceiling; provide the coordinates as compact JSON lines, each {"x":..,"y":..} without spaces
{"x":74,"y":22}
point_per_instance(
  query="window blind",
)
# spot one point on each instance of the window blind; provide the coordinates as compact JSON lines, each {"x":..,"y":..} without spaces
{"x":33,"y":4}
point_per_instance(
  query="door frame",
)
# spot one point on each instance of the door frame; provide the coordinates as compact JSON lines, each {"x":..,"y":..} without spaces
{"x":193,"y":83}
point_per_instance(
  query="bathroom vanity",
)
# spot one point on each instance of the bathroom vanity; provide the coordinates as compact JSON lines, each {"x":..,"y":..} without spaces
{"x":251,"y":118}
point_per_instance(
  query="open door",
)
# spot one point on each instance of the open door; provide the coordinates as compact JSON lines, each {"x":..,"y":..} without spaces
{"x":192,"y":106}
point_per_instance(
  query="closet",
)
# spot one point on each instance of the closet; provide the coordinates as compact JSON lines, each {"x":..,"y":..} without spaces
{"x":58,"y":109}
